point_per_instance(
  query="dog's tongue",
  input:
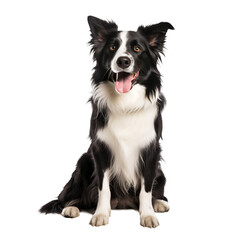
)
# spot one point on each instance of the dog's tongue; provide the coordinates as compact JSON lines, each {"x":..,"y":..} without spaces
{"x":123,"y":83}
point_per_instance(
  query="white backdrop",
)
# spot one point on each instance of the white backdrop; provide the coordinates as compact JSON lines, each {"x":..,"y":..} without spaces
{"x":45,"y":71}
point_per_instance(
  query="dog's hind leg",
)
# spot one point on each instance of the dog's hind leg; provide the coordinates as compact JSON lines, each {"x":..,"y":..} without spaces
{"x":78,"y":193}
{"x":70,"y":212}
{"x":160,"y":202}
{"x":160,"y":205}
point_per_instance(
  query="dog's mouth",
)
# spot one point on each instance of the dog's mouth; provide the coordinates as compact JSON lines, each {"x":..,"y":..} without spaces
{"x":124,"y":81}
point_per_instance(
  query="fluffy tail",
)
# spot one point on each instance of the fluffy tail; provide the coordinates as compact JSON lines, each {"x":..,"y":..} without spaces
{"x":52,"y":207}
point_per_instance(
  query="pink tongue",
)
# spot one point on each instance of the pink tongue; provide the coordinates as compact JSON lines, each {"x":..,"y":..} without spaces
{"x":124,"y":83}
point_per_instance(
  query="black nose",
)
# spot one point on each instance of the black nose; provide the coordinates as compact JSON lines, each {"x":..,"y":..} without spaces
{"x":123,"y":62}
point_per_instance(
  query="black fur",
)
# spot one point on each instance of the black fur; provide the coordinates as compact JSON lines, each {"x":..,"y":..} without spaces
{"x":82,"y":189}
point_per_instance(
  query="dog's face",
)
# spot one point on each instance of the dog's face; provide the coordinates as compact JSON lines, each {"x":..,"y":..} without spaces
{"x":127,"y":58}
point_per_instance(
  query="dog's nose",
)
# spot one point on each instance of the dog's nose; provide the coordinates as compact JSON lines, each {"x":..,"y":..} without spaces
{"x":123,"y":62}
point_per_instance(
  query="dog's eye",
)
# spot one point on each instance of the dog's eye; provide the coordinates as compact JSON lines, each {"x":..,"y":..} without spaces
{"x":136,"y":49}
{"x":112,"y":48}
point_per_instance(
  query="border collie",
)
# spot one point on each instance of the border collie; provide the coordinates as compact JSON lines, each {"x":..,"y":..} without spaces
{"x":121,"y":168}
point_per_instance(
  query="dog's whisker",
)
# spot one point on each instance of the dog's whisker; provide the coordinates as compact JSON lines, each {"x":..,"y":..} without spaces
{"x":107,"y":72}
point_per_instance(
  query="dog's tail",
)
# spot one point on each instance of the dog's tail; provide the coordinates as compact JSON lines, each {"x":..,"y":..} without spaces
{"x":52,"y":207}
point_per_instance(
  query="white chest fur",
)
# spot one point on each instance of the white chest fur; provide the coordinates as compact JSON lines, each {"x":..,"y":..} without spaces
{"x":130,"y":128}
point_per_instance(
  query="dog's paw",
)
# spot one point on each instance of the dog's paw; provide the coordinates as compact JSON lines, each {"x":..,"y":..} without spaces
{"x":70,"y":212}
{"x":161,"y":206}
{"x":99,"y":220}
{"x":150,"y":221}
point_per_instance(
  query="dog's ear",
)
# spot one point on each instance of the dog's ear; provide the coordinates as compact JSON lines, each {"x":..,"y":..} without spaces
{"x":100,"y":29}
{"x":156,"y":34}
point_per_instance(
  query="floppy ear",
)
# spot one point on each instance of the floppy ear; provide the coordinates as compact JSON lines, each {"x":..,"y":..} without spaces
{"x":156,"y":34}
{"x":100,"y":28}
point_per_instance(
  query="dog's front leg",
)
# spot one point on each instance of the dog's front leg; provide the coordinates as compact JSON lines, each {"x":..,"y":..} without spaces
{"x":147,"y":215}
{"x":103,"y":210}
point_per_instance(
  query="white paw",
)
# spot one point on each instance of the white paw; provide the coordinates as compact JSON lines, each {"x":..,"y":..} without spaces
{"x":99,"y":220}
{"x":70,"y":212}
{"x":150,"y":221}
{"x":161,"y":206}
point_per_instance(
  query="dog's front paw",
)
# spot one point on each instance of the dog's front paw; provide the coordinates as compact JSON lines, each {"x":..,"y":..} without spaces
{"x":99,"y":220}
{"x":150,"y":221}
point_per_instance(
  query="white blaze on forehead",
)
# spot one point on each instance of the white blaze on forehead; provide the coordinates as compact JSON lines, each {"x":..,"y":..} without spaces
{"x":123,"y":47}
{"x":122,"y":52}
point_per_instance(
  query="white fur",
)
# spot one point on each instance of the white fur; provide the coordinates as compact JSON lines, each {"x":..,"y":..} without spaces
{"x":71,"y":212}
{"x":122,"y":52}
{"x":147,"y":215}
{"x":161,"y":205}
{"x":130,"y":128}
{"x":103,"y":210}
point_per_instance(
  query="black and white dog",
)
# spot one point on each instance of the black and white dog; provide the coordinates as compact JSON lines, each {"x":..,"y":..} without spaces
{"x":121,"y":168}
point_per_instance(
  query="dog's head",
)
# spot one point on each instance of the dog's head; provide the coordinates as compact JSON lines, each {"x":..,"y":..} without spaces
{"x":126,"y":58}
